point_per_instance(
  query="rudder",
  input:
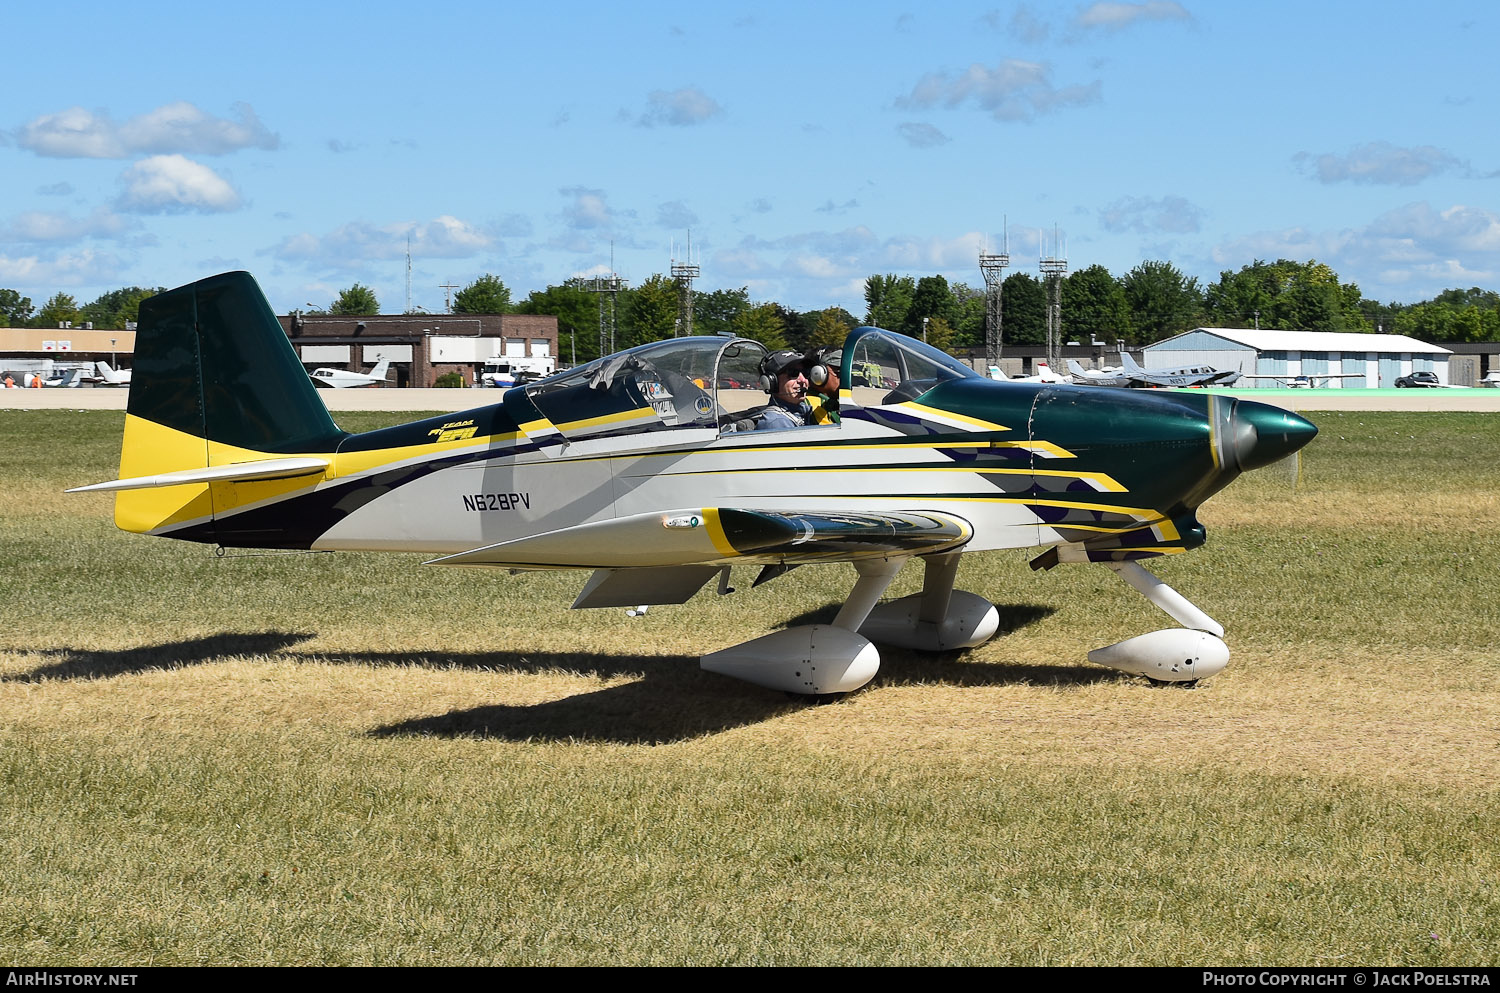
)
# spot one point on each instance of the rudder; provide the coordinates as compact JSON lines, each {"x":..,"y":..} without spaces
{"x":214,"y":381}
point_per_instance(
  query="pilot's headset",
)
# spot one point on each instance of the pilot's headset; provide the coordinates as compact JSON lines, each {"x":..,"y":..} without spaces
{"x":772,"y":365}
{"x":815,"y":365}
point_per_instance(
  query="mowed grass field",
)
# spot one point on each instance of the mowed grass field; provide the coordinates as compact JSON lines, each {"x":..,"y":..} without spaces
{"x":353,"y":759}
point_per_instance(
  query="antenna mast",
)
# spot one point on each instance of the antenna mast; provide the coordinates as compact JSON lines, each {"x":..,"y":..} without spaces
{"x":608,"y":288}
{"x":993,"y":267}
{"x":1053,"y":269}
{"x":684,"y":273}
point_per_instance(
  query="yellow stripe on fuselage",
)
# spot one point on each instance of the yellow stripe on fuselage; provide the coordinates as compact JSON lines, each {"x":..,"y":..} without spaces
{"x":1106,"y":483}
{"x":360,"y":463}
{"x":619,"y":417}
{"x":922,"y":410}
{"x":716,"y":532}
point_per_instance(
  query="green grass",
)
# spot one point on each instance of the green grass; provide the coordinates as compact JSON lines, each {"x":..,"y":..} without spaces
{"x":352,"y":759}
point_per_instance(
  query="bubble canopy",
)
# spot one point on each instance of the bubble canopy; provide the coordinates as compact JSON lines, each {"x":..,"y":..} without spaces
{"x":703,"y":382}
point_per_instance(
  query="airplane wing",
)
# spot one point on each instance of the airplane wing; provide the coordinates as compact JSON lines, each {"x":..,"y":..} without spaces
{"x":721,"y":535}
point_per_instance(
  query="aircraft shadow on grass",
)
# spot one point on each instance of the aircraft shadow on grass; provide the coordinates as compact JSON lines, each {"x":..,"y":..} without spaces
{"x":87,"y":663}
{"x":671,"y":700}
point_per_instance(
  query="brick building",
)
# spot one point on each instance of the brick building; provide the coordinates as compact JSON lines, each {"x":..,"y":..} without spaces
{"x":421,"y":347}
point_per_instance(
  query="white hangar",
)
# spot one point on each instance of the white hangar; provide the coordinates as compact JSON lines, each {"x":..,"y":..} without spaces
{"x":1374,"y":359}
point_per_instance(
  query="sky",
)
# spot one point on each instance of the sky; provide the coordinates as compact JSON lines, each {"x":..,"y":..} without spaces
{"x":798,"y":147}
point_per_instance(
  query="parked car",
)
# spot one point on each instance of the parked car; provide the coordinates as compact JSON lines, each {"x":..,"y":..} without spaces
{"x":1418,"y":379}
{"x":1492,"y":379}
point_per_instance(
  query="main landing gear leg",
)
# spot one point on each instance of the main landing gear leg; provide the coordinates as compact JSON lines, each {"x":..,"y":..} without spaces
{"x":940,"y":618}
{"x":815,"y":659}
{"x":1177,"y":655}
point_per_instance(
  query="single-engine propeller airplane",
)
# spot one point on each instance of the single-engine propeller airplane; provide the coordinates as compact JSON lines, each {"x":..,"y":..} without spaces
{"x":1181,"y":376}
{"x":340,"y":379}
{"x":631,"y":467}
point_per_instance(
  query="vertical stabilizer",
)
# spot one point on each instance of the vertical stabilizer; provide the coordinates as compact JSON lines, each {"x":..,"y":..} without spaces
{"x":215,"y":381}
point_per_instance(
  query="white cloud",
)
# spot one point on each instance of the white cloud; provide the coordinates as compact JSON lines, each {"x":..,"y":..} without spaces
{"x":50,"y":226}
{"x":1014,"y":90}
{"x":84,"y":268}
{"x":1413,"y":251}
{"x":675,"y":214}
{"x":933,"y":253}
{"x":818,"y":266}
{"x":588,"y":210}
{"x":1107,"y":16}
{"x":679,"y":108}
{"x":353,"y":244}
{"x":173,"y":128}
{"x":1378,"y":162}
{"x":919,"y":135}
{"x":1028,"y":26}
{"x":166,"y":184}
{"x":1144,"y":215}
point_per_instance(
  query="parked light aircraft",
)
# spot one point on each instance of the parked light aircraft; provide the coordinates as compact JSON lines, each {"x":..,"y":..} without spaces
{"x":1307,"y":381}
{"x":65,"y":379}
{"x":1044,"y":374}
{"x":628,"y":467}
{"x":1188,"y":375}
{"x":338,"y":379}
{"x":1113,"y":376}
{"x":111,"y":376}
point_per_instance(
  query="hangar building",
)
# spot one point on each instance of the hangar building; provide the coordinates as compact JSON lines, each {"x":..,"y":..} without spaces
{"x":421,"y":347}
{"x":1375,"y":359}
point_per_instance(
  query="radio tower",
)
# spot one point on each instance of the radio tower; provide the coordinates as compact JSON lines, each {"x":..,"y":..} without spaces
{"x":993,"y":267}
{"x":1053,"y":269}
{"x":608,"y":288}
{"x":684,"y":273}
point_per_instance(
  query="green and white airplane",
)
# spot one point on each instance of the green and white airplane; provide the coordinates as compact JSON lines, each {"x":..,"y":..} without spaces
{"x":630,"y":467}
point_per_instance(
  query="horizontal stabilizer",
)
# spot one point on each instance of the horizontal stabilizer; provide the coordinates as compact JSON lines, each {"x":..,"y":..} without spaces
{"x":238,"y":472}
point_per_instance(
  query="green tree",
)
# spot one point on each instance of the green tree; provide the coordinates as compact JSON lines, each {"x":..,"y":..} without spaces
{"x":969,"y":327}
{"x":830,"y":327}
{"x":1023,"y":302}
{"x":1093,"y":306}
{"x":115,"y":308}
{"x":577,"y":311}
{"x":1162,"y":301}
{"x":356,"y":300}
{"x":933,"y":300}
{"x":650,"y":311}
{"x":940,"y":334}
{"x":1296,"y":296}
{"x":763,"y":323}
{"x":887,"y":299}
{"x":15,"y":310}
{"x":715,"y":312}
{"x":59,"y":309}
{"x":486,"y":295}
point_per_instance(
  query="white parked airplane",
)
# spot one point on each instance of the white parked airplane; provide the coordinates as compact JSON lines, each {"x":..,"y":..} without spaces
{"x":1108,"y":376}
{"x":338,"y":379}
{"x":1188,"y":375}
{"x":1044,"y":374}
{"x":111,"y":376}
{"x":1307,"y":381}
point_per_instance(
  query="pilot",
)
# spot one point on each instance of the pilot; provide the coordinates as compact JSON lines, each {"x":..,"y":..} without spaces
{"x":823,"y":386}
{"x":784,"y":376}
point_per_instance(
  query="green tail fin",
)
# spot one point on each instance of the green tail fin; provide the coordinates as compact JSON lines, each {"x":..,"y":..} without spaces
{"x":212,"y":361}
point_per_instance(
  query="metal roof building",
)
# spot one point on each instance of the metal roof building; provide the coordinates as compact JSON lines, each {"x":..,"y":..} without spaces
{"x":1373,"y":359}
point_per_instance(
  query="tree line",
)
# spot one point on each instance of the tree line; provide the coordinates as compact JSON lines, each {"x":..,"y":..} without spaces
{"x":1152,"y":301}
